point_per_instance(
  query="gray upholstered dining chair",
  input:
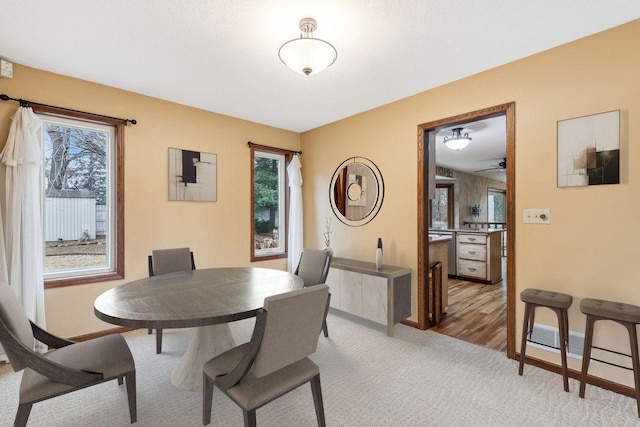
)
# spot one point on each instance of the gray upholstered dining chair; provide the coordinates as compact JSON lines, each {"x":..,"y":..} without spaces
{"x":275,"y":361}
{"x":313,"y":268}
{"x":164,"y":261}
{"x":69,"y":367}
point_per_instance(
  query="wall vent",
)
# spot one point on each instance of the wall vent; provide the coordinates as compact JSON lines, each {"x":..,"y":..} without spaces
{"x":548,"y":338}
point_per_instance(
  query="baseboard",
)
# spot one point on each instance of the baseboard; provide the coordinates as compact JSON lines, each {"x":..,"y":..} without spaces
{"x":102,"y":333}
{"x":572,"y":373}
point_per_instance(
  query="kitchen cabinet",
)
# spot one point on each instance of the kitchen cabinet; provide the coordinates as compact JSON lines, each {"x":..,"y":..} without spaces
{"x":479,"y":256}
{"x":382,"y":296}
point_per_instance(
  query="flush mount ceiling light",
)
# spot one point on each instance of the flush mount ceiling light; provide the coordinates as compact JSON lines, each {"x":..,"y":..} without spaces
{"x":307,"y":55}
{"x":457,"y":141}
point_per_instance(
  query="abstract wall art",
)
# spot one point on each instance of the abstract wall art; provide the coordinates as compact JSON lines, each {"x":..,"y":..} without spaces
{"x":589,"y":150}
{"x":192,"y":175}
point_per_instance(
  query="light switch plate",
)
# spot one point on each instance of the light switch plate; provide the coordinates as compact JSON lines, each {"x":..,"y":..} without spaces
{"x":536,"y":216}
{"x":6,"y":69}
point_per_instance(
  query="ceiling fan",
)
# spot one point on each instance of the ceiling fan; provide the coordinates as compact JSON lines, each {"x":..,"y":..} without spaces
{"x":502,"y":166}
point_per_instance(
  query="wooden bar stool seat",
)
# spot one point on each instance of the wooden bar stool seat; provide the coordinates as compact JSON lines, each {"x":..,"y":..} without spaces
{"x":557,"y":302}
{"x":625,"y":314}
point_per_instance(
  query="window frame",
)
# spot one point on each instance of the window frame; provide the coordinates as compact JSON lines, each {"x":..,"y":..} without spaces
{"x":118,"y":175}
{"x":287,"y":159}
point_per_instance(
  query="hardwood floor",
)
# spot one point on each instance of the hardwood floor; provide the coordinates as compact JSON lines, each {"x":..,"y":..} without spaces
{"x":477,"y":313}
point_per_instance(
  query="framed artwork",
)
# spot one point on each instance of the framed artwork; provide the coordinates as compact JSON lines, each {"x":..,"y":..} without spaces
{"x":192,"y":175}
{"x":589,"y":150}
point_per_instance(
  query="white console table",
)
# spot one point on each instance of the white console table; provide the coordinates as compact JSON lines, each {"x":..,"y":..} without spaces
{"x":382,"y":296}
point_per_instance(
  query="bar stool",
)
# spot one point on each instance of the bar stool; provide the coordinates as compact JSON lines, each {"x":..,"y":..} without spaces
{"x":557,"y":302}
{"x":625,"y":314}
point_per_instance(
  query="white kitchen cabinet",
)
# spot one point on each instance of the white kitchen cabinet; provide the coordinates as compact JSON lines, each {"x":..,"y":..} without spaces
{"x":382,"y":296}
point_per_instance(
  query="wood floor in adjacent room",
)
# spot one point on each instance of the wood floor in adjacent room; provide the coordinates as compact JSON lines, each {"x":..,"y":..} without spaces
{"x":477,"y":313}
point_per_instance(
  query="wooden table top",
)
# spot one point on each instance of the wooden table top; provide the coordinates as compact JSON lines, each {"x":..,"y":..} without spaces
{"x":196,"y":298}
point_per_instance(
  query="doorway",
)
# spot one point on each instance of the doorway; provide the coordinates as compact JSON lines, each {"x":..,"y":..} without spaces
{"x":426,"y":179}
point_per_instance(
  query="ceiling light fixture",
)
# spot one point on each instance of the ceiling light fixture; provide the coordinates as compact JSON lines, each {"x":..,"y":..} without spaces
{"x":457,"y":141}
{"x":307,"y":55}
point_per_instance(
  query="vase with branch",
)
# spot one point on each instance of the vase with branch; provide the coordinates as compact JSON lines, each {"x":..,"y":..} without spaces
{"x":327,"y":236}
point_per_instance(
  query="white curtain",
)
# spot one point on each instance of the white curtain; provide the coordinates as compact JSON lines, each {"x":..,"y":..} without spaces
{"x":295,"y":213}
{"x":4,"y":275}
{"x":21,"y":207}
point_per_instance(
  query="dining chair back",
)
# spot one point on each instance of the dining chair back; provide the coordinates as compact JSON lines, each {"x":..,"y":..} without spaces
{"x":291,"y":333}
{"x":313,"y":266}
{"x":165,"y":261}
{"x":313,"y":269}
{"x":275,"y":360}
{"x":68,"y":367}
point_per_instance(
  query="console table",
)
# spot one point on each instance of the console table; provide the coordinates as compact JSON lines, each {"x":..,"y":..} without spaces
{"x":382,"y":296}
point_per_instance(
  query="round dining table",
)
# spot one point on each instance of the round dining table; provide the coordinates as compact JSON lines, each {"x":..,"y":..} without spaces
{"x":207,"y":299}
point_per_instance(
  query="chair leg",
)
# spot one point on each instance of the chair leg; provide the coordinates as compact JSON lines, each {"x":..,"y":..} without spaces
{"x":562,"y":315}
{"x":633,"y":340}
{"x":586,"y":353}
{"x":120,"y":380}
{"x":149,"y":331}
{"x":131,"y":396}
{"x":207,"y":399}
{"x":324,"y":321}
{"x":316,"y":390}
{"x":528,"y":308}
{"x":158,"y":341}
{"x":23,"y":414}
{"x":249,"y":418}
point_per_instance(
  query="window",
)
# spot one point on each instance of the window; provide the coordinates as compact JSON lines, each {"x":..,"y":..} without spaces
{"x":83,"y":199}
{"x":442,"y":207}
{"x":269,"y":203}
{"x":495,"y":205}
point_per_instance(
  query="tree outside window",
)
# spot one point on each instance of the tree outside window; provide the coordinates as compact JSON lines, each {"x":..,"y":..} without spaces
{"x":496,"y":203}
{"x":442,"y":213}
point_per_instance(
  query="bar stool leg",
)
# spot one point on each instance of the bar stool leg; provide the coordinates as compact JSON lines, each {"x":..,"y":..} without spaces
{"x":562,"y":321}
{"x":528,"y":320}
{"x":586,"y":353}
{"x":633,"y":340}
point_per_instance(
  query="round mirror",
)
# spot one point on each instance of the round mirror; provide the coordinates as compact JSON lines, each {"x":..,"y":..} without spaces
{"x":356,"y":191}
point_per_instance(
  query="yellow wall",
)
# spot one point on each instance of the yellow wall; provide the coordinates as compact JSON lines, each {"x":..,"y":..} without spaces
{"x":588,"y":249}
{"x":218,"y":233}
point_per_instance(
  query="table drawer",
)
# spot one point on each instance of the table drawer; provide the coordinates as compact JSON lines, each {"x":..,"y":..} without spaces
{"x":472,"y":268}
{"x":471,"y":251}
{"x":472,"y":238}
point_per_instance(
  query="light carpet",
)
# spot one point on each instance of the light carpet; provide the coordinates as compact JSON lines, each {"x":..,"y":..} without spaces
{"x":416,"y":378}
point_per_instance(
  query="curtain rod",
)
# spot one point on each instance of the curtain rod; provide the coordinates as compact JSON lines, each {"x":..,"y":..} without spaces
{"x":253,"y":144}
{"x":25,"y":103}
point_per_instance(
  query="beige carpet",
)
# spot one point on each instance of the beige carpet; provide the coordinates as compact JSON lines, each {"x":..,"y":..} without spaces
{"x":417,"y":378}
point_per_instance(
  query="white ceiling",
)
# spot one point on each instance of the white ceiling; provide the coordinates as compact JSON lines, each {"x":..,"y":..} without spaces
{"x":221,"y":55}
{"x":488,"y":147}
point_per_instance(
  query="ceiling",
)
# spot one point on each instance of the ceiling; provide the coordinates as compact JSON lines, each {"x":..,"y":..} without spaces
{"x":488,"y":147}
{"x":221,"y":55}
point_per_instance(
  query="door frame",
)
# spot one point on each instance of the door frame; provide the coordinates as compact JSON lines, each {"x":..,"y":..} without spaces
{"x":508,"y":110}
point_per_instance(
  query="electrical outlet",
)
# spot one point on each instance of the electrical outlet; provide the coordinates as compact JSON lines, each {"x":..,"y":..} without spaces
{"x":536,"y":216}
